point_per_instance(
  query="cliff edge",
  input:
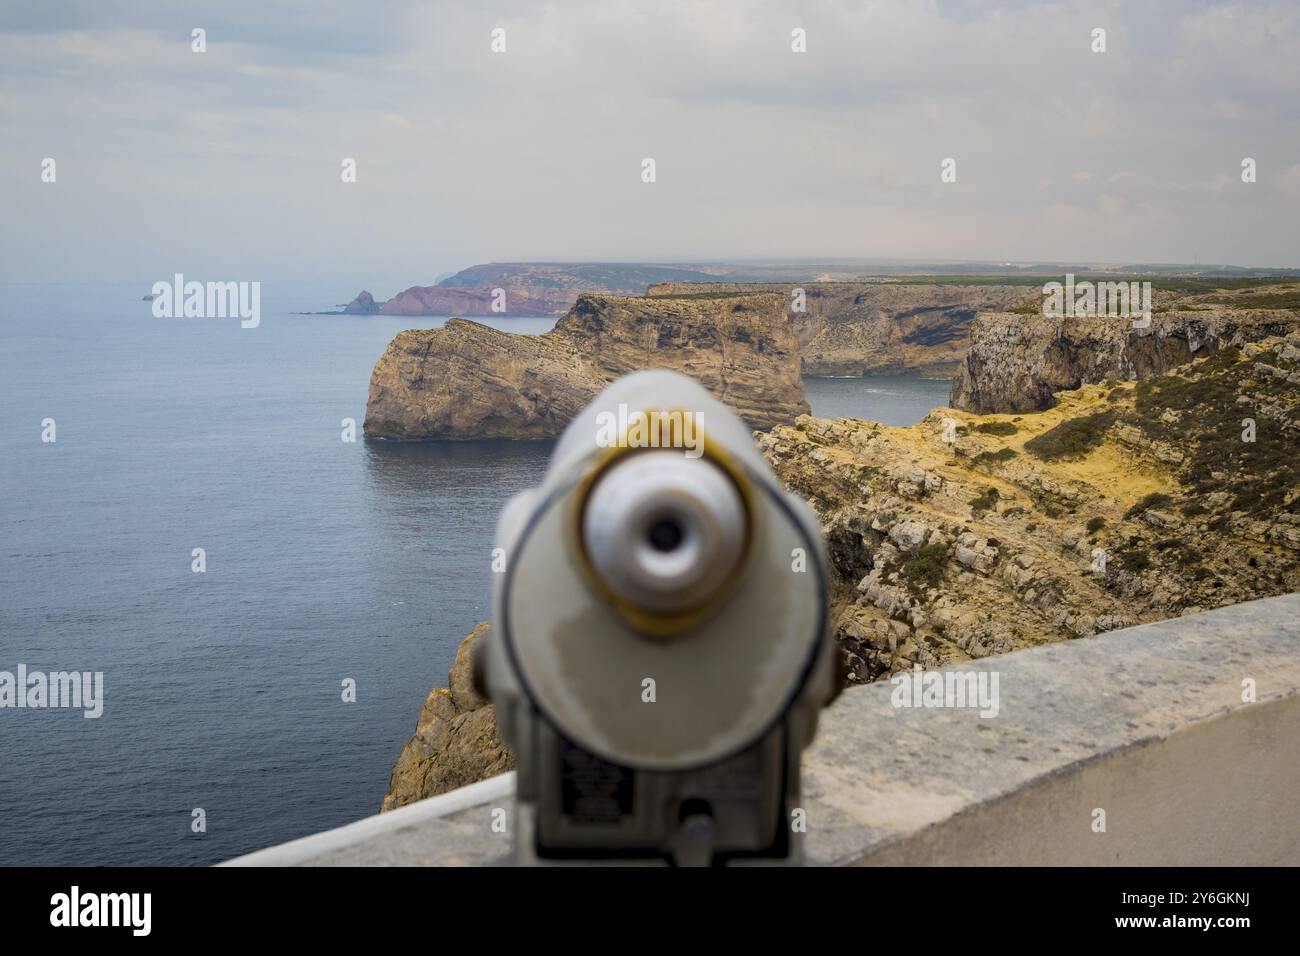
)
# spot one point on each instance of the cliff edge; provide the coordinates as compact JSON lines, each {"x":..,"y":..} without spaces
{"x":878,"y":328}
{"x":455,"y":741}
{"x":1018,"y":360}
{"x":1125,"y":503}
{"x":467,"y":380}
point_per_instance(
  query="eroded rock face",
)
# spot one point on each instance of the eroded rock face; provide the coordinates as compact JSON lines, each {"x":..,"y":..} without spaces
{"x":740,"y":347}
{"x":455,"y":742}
{"x":886,"y":328}
{"x":468,"y":381}
{"x":441,"y":300}
{"x":1017,"y":362}
{"x":1018,"y":532}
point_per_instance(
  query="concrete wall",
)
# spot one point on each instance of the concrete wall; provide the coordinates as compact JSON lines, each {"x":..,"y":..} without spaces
{"x":1147,"y":724}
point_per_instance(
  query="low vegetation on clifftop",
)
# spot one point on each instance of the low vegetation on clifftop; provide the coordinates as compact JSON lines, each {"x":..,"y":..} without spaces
{"x":1018,"y":360}
{"x":966,"y":536}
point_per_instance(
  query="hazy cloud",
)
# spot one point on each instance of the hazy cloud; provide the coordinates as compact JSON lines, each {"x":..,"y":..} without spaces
{"x":227,"y":162}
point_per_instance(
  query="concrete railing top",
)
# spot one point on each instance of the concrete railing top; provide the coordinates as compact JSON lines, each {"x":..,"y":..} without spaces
{"x":1171,"y":743}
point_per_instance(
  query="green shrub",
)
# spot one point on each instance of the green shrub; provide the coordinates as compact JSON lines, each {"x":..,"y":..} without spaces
{"x":994,"y":457}
{"x":1072,"y":438}
{"x":925,"y":570}
{"x":986,"y":501}
{"x":997,"y":428}
{"x":1134,"y":559}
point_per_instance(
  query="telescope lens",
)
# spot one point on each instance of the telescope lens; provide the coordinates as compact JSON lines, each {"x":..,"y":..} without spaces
{"x":664,"y":535}
{"x":664,"y":531}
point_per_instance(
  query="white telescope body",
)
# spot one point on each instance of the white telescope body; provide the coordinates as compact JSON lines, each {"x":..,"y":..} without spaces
{"x":659,"y":650}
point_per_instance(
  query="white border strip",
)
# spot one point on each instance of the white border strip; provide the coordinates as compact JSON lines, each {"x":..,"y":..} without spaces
{"x":308,"y":848}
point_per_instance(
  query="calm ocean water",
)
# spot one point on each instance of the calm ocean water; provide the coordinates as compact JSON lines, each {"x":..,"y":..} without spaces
{"x":325,"y":561}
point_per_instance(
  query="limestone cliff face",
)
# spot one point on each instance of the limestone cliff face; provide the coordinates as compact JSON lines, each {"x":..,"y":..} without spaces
{"x":440,"y":300}
{"x":739,"y":347}
{"x":469,"y":381}
{"x":1017,"y":362}
{"x":859,"y":328}
{"x":1122,"y":504}
{"x":455,"y":742}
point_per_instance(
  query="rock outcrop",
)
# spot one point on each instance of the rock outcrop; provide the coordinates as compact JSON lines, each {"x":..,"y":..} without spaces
{"x":740,"y":347}
{"x":883,"y":327}
{"x":467,"y":381}
{"x":967,"y":536}
{"x":363,"y":304}
{"x":1017,"y":361}
{"x":439,"y":300}
{"x":455,"y":740}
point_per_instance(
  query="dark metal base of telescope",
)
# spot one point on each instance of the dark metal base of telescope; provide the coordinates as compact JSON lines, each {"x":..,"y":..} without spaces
{"x":577,"y":808}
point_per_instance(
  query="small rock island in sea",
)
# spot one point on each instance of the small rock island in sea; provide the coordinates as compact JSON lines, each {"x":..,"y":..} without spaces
{"x":363,"y":304}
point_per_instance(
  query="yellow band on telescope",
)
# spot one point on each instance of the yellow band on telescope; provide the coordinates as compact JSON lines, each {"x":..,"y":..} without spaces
{"x":657,"y":623}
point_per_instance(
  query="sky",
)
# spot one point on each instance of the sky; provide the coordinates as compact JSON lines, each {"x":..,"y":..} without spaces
{"x":227,"y":164}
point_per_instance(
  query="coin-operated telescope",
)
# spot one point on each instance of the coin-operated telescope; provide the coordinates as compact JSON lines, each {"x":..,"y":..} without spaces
{"x":659,"y":651}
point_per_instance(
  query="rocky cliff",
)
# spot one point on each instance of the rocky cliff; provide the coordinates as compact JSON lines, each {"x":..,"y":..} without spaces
{"x":738,"y":346}
{"x":438,"y":300}
{"x":1018,"y":361}
{"x":455,"y":740}
{"x":967,"y":535}
{"x":884,"y":327}
{"x":1124,"y":503}
{"x":466,"y":380}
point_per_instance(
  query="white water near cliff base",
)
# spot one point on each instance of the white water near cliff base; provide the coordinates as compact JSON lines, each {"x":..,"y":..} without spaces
{"x":326,"y":561}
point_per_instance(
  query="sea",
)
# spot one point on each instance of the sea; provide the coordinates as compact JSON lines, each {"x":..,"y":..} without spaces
{"x":266,"y":696}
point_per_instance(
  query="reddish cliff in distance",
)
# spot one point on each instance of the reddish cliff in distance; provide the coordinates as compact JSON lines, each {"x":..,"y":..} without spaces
{"x":439,"y":300}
